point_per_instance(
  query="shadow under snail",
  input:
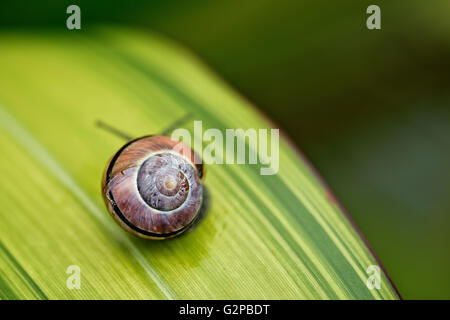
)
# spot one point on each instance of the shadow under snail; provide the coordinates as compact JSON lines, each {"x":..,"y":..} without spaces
{"x":152,"y":187}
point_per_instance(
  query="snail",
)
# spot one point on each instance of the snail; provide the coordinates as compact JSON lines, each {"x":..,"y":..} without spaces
{"x":152,"y":187}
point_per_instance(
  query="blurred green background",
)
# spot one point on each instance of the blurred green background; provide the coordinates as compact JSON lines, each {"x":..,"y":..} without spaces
{"x":370,"y":109}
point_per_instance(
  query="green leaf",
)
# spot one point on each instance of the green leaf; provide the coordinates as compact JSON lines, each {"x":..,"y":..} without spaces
{"x":262,"y":237}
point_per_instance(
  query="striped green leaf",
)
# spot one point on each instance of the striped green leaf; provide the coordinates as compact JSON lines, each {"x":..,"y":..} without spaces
{"x":262,"y":237}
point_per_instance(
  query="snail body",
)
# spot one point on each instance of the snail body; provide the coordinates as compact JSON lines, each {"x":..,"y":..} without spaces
{"x":152,"y":187}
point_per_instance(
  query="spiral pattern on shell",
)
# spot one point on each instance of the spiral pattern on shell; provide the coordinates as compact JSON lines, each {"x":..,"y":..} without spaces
{"x":152,"y":187}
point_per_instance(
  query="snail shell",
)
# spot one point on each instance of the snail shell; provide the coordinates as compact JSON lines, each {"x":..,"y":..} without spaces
{"x":152,"y":187}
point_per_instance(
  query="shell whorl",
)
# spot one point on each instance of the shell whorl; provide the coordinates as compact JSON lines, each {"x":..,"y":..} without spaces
{"x":163,"y":181}
{"x":152,"y":187}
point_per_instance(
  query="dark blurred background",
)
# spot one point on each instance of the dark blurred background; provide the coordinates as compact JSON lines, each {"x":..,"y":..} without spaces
{"x":370,"y":109}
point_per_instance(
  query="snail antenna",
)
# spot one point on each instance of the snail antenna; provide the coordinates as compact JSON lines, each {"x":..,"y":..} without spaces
{"x":176,"y":124}
{"x":113,"y":130}
{"x":125,"y":136}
